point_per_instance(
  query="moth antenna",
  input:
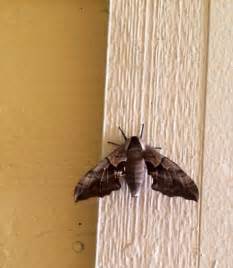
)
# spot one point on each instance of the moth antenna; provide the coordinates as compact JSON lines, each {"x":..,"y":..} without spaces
{"x":113,"y":143}
{"x":142,"y":129}
{"x":158,"y":148}
{"x":122,"y":132}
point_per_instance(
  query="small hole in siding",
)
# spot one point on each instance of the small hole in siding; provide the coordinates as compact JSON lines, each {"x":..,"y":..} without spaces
{"x":78,"y":246}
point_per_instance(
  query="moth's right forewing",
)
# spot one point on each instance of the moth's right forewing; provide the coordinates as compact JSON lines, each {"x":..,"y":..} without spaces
{"x":168,"y":177}
{"x":151,"y":156}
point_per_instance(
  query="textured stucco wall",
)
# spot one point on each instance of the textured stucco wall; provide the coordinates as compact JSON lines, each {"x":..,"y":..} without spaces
{"x":52,"y":62}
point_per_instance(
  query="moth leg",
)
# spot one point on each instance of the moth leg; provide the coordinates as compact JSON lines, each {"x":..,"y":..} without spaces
{"x":113,"y":143}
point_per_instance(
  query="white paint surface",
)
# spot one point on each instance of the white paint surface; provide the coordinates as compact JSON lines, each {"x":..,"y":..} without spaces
{"x":217,"y":197}
{"x":154,"y":75}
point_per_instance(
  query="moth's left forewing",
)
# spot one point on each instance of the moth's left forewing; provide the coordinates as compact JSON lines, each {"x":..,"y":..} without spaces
{"x":98,"y":182}
{"x":117,"y":156}
{"x":103,"y":178}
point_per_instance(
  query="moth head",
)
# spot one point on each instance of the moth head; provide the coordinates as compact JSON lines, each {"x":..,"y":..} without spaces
{"x":135,"y":142}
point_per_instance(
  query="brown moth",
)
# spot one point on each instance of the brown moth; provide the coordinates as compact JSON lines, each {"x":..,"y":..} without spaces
{"x":131,"y":161}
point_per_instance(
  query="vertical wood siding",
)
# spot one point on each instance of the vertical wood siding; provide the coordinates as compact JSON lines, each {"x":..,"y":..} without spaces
{"x":217,"y":194}
{"x":156,"y":61}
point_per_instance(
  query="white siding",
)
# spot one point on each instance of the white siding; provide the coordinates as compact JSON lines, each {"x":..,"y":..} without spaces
{"x":217,"y":196}
{"x":156,"y":74}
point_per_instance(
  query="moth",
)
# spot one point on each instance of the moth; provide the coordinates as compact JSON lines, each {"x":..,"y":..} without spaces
{"x":131,"y":161}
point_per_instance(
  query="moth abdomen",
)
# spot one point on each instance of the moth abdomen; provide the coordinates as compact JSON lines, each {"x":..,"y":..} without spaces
{"x":135,"y":174}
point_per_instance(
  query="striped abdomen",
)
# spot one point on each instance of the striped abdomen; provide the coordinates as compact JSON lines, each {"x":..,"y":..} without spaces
{"x":135,"y":170}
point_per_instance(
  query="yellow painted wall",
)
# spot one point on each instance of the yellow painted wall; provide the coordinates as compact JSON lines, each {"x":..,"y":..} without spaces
{"x":52,"y":63}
